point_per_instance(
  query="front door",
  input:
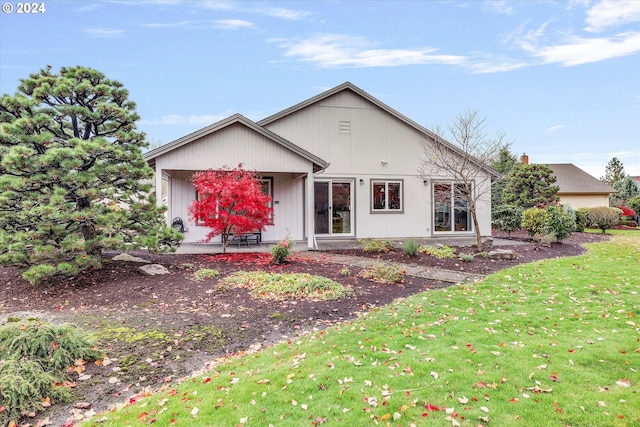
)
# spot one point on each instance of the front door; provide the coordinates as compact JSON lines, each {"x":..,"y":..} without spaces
{"x":333,"y":207}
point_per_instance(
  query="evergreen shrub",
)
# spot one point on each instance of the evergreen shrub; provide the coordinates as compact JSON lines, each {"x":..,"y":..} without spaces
{"x":411,"y":247}
{"x":533,"y":220}
{"x":34,"y":357}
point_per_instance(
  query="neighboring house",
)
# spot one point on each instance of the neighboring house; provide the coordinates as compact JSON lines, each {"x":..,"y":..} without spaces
{"x":340,"y":164}
{"x":578,"y":189}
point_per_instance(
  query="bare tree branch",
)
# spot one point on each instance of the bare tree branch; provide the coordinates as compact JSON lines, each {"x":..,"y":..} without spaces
{"x":464,"y":160}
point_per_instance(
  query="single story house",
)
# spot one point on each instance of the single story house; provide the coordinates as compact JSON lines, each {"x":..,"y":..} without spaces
{"x":341,"y":164}
{"x":578,"y":189}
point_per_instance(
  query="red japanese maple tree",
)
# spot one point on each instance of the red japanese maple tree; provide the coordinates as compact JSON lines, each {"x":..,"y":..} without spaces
{"x":230,"y":201}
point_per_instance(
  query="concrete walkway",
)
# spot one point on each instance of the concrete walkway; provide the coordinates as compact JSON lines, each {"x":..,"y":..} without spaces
{"x":324,"y":246}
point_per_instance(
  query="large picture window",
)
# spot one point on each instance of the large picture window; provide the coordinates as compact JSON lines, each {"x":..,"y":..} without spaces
{"x":386,"y":196}
{"x":450,"y":208}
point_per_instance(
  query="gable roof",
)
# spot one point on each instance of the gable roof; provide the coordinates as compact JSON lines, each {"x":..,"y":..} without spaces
{"x":350,"y":86}
{"x":572,"y":179}
{"x":151,"y":155}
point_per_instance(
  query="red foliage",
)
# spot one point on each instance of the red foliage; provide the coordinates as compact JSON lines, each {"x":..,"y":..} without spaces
{"x":627,"y":211}
{"x":230,"y":201}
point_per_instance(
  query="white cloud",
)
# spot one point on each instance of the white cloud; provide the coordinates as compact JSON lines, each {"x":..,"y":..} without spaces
{"x":580,"y":50}
{"x":502,"y":7}
{"x":608,"y":13}
{"x":341,"y":51}
{"x":490,"y":64}
{"x":554,"y":128}
{"x":232,"y":24}
{"x":105,"y":32}
{"x":223,"y":24}
{"x":289,"y":14}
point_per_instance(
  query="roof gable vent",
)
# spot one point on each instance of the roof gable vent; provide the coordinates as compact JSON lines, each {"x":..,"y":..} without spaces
{"x":345,"y":127}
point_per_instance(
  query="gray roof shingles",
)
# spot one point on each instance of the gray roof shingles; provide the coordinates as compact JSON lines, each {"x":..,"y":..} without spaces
{"x":572,"y":179}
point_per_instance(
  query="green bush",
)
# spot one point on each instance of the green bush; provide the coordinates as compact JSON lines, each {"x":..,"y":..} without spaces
{"x":377,"y":245}
{"x":533,"y":220}
{"x":411,"y":247}
{"x":34,"y":357}
{"x":275,"y":286}
{"x":281,"y":250}
{"x":205,"y":274}
{"x":438,"y":251}
{"x":560,"y":221}
{"x":581,"y":219}
{"x":466,"y":257}
{"x":604,"y":217}
{"x":507,"y":218}
{"x":634,"y":203}
{"x":384,"y":273}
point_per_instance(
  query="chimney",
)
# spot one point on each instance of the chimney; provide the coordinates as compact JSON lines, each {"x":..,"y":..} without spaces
{"x":524,"y":159}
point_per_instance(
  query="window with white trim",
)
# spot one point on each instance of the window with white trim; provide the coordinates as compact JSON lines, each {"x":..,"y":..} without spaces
{"x":451,"y":211}
{"x":386,"y":196}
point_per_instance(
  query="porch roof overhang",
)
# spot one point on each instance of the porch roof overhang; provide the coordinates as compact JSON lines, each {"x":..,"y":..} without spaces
{"x":152,"y":155}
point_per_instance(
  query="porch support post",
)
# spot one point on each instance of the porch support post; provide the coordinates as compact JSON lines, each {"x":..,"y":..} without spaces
{"x":310,"y":210}
{"x":158,"y":180}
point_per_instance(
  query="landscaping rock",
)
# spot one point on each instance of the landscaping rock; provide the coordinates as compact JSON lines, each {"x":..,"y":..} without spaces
{"x":127,"y":257}
{"x":500,"y":254}
{"x":26,"y":316}
{"x":153,"y":269}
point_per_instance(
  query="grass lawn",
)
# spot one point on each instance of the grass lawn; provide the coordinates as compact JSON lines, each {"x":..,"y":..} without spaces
{"x":552,"y":343}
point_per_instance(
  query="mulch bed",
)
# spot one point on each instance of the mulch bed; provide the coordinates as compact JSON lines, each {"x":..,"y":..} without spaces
{"x":119,"y":296}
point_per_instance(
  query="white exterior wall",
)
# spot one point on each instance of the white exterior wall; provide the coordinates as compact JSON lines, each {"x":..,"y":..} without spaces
{"x":287,"y":207}
{"x":229,"y":147}
{"x":377,"y":146}
{"x":577,"y":201}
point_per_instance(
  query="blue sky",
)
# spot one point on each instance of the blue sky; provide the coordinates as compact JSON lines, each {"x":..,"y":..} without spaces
{"x":561,"y":79}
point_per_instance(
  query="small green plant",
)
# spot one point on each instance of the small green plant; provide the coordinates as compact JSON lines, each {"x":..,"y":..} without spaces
{"x":438,"y":251}
{"x":280,"y":251}
{"x":34,"y":356}
{"x":411,"y":247}
{"x":384,"y":273}
{"x":293,"y":285}
{"x":203,"y":274}
{"x":377,"y":245}
{"x":346,"y":271}
{"x":545,"y":239}
{"x":466,"y":257}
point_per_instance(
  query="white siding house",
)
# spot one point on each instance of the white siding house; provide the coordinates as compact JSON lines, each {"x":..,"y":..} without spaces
{"x":339,"y":165}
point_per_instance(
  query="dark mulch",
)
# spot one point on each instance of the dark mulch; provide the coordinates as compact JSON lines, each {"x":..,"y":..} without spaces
{"x":229,"y":319}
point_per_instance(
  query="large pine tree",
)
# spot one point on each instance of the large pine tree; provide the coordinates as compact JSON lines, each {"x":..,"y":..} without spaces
{"x":73,"y":181}
{"x":530,"y":186}
{"x":614,"y":171}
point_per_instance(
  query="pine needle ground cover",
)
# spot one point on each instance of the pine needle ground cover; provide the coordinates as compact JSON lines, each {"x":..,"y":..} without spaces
{"x":551,"y":343}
